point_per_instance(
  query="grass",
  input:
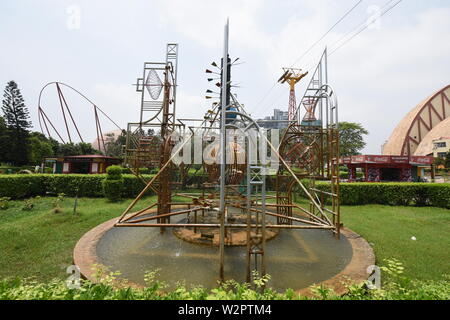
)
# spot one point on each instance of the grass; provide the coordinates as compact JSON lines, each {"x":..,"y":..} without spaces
{"x":40,"y":243}
{"x":390,"y":230}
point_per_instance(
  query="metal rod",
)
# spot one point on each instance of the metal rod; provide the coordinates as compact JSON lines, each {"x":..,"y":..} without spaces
{"x":218,"y":225}
{"x":223,"y":151}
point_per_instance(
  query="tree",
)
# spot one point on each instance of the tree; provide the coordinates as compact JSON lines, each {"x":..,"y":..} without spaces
{"x":68,"y":149}
{"x":40,"y":147}
{"x":4,"y":140}
{"x":86,"y":148}
{"x":351,"y":138}
{"x":114,"y":145}
{"x":439,"y":162}
{"x":16,"y":116}
{"x":72,"y":149}
{"x":447,"y":160}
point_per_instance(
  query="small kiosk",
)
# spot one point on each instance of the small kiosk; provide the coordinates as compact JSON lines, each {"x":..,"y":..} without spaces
{"x":86,"y":164}
{"x":388,"y":168}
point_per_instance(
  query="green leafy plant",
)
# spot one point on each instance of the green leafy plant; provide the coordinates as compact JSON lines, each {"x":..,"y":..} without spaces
{"x":4,"y":203}
{"x":108,"y":287}
{"x":113,"y":184}
{"x":28,"y":204}
{"x":57,"y":203}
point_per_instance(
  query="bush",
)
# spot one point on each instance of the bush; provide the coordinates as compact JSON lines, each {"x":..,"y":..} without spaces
{"x":28,"y":204}
{"x":85,"y":185}
{"x":4,"y":203}
{"x":114,"y":172}
{"x":396,"y":288}
{"x":112,"y":189}
{"x":113,"y":184}
{"x":22,"y":186}
{"x":132,"y":186}
{"x":395,"y":194}
{"x":141,"y":171}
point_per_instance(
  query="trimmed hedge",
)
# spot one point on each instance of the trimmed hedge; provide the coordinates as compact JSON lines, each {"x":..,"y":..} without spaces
{"x":113,"y":184}
{"x":90,"y":185}
{"x":18,"y":186}
{"x":395,"y":194}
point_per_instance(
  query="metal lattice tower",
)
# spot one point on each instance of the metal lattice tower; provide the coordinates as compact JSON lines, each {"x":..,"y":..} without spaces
{"x":292,"y":77}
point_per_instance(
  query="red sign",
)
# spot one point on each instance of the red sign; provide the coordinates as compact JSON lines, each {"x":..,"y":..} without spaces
{"x":402,"y":160}
{"x":378,"y":159}
{"x":374,"y":159}
{"x":358,"y":159}
{"x":346,"y":160}
{"x":422,"y":160}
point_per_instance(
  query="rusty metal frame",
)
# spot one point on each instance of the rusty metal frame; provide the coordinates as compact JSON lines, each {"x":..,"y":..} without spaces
{"x":217,"y":196}
{"x":45,"y":121}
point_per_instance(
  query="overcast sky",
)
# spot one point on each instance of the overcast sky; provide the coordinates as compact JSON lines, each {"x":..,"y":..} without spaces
{"x":379,"y":75}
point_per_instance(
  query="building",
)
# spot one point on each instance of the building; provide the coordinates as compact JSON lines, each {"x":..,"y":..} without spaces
{"x":381,"y":168}
{"x":428,"y":121}
{"x":97,"y":144}
{"x":441,"y":147}
{"x":270,"y":122}
{"x":87,"y":164}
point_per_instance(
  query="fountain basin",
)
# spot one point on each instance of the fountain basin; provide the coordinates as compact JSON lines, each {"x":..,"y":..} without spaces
{"x":295,"y":259}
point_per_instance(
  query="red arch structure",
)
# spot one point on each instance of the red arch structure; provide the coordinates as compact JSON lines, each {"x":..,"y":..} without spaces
{"x":415,"y":126}
{"x":67,"y":116}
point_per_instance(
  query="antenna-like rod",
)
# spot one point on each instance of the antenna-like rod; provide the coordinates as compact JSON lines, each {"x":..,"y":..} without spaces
{"x":223,"y":149}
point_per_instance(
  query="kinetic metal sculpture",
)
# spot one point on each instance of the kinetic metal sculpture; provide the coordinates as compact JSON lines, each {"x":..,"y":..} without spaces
{"x":233,"y":200}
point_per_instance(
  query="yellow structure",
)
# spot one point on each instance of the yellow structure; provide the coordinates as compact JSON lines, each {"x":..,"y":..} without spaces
{"x":292,"y":77}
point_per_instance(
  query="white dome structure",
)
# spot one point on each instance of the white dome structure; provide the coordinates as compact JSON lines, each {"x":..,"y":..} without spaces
{"x":415,"y":133}
{"x":97,"y":143}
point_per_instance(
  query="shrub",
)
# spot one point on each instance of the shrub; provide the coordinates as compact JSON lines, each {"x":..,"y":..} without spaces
{"x":4,"y":203}
{"x":105,"y":289}
{"x":28,"y":204}
{"x":85,"y":185}
{"x":141,"y":171}
{"x":57,"y":203}
{"x":113,"y":184}
{"x":114,"y":172}
{"x":395,"y":194}
{"x":22,"y":186}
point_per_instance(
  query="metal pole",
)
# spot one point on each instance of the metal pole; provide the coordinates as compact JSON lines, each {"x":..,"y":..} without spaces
{"x":223,"y":151}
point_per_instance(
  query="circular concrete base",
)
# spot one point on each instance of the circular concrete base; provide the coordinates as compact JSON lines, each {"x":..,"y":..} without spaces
{"x":85,"y":257}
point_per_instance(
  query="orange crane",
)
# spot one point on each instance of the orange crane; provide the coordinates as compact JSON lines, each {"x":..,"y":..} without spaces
{"x":292,"y":77}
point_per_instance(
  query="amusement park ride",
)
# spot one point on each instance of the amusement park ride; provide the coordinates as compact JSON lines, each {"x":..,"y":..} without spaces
{"x":233,"y":206}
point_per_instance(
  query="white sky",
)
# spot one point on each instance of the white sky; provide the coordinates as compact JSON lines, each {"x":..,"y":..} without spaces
{"x":379,"y":76}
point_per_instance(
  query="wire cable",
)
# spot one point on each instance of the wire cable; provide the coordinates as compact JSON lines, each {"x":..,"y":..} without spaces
{"x":312,"y":46}
{"x":365,"y":25}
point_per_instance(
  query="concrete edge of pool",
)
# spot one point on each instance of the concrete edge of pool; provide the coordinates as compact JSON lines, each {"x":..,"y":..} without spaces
{"x":85,"y":257}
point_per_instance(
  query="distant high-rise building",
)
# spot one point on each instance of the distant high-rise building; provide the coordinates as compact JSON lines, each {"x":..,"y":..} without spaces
{"x":277,"y":121}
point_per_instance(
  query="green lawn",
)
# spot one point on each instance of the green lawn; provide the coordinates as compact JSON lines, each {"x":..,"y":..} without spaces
{"x":39,"y":243}
{"x":390,"y":229}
